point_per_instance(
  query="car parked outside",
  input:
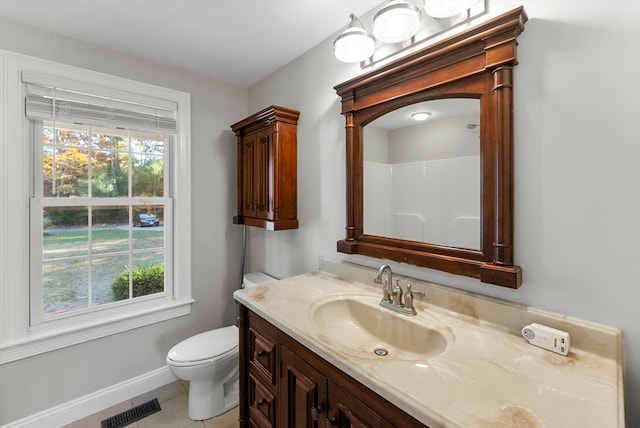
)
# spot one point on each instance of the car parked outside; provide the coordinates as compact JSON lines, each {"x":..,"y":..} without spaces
{"x":146,"y":220}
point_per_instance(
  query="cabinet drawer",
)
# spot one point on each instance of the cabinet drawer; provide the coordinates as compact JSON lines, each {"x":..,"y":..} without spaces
{"x":262,"y":355}
{"x":262,"y":403}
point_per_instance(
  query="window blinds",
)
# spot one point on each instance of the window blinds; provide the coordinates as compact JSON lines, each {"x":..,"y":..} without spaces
{"x":48,"y":102}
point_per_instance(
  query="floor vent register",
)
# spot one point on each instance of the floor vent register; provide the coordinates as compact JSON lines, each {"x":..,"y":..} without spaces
{"x":132,"y":415}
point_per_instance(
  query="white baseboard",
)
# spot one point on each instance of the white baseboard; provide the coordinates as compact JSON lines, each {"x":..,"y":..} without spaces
{"x":89,"y":404}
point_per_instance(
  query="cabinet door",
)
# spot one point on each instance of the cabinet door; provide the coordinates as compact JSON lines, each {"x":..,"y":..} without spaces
{"x":256,"y":174}
{"x":247,"y":154}
{"x":263,"y":174}
{"x":345,"y":411}
{"x":303,"y":393}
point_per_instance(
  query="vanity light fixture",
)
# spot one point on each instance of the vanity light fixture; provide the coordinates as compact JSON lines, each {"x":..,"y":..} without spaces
{"x":421,"y":115}
{"x":396,"y":22}
{"x":354,"y":44}
{"x":447,"y":8}
{"x":399,"y":27}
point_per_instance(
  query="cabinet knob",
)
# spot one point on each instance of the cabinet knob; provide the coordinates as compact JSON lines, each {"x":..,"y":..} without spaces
{"x":315,"y":412}
{"x":260,"y":353}
{"x":260,"y":402}
{"x":331,"y":422}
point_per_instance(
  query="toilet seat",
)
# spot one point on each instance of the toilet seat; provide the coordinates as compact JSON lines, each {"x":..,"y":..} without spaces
{"x":205,"y":348}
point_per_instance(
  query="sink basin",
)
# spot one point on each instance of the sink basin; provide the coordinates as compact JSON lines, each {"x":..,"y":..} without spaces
{"x":358,"y":325}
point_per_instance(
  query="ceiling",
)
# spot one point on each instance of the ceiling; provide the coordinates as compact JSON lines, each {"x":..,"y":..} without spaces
{"x":238,"y":42}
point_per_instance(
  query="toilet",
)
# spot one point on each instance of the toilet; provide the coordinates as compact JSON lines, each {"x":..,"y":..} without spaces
{"x":209,"y":361}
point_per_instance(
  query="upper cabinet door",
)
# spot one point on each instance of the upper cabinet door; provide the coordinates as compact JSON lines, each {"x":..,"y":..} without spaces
{"x":263,"y":175}
{"x":246,"y":158}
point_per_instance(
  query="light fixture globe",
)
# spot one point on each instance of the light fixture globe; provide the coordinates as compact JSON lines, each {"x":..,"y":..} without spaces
{"x":354,"y":44}
{"x":396,"y":22}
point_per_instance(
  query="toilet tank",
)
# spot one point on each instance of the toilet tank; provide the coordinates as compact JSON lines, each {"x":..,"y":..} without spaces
{"x":250,"y":280}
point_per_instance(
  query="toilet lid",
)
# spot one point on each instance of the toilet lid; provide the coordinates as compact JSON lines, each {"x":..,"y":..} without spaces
{"x":207,"y":345}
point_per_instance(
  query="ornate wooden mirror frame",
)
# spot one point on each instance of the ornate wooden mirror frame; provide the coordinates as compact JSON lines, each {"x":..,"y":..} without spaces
{"x":477,"y":63}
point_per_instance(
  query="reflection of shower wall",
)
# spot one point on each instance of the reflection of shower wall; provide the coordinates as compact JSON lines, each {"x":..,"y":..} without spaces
{"x":435,"y":201}
{"x":377,"y":199}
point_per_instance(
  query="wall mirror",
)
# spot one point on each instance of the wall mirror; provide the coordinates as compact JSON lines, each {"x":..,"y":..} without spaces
{"x":422,"y":173}
{"x":439,"y":193}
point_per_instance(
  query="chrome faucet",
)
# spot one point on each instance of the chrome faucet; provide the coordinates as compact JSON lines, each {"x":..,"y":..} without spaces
{"x":393,"y":297}
{"x":387,"y":290}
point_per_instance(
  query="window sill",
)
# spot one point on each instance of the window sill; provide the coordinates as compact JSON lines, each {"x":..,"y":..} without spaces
{"x":40,"y":343}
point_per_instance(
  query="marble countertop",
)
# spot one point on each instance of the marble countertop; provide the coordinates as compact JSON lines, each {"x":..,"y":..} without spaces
{"x":486,"y":376}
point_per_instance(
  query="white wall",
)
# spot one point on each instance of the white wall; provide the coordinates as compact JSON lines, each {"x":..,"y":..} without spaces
{"x":577,"y":180}
{"x":38,"y":383}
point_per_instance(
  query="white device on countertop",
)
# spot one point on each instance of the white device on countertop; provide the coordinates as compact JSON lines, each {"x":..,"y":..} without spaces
{"x":548,"y":338}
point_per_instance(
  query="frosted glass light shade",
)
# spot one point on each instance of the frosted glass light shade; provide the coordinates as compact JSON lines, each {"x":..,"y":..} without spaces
{"x":354,"y":44}
{"x":447,"y":8}
{"x":397,"y":21}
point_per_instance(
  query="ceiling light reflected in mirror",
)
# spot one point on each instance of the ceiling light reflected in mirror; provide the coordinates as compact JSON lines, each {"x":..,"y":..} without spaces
{"x":421,"y":115}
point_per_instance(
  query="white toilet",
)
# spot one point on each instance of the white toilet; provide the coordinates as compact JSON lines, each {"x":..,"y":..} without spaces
{"x":209,"y":361}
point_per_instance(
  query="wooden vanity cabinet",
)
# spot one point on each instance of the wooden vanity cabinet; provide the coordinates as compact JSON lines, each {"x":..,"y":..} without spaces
{"x":261,"y":351}
{"x":302,"y":391}
{"x":267,"y":169}
{"x":284,"y":384}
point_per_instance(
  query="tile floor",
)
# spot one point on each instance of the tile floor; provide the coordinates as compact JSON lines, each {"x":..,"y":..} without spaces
{"x":173,"y":401}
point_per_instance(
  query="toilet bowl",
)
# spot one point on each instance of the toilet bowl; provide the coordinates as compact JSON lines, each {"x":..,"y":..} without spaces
{"x":209,"y":361}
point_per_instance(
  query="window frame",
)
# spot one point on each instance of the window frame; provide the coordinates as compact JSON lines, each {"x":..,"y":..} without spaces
{"x":39,"y":202}
{"x":17,"y":338}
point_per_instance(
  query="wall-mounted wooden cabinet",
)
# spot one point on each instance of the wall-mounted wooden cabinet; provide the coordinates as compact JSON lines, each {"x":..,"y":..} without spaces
{"x":267,"y":169}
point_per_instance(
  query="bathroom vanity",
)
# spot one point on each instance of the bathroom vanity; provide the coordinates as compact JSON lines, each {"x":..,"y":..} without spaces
{"x":318,"y":350}
{"x":290,"y":386}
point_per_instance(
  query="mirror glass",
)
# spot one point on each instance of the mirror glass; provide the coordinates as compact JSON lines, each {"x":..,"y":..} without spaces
{"x":422,"y":178}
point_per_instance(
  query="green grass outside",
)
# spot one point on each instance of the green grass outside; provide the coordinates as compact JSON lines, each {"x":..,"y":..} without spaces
{"x":66,"y":282}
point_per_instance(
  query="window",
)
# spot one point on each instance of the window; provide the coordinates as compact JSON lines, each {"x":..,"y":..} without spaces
{"x":93,"y":185}
{"x":102,"y":185}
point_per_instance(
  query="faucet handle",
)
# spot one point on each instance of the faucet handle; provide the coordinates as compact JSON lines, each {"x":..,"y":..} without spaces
{"x":418,"y":292}
{"x":408,"y":297}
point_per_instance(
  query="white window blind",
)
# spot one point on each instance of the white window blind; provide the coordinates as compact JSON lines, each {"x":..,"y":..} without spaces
{"x":63,"y":104}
